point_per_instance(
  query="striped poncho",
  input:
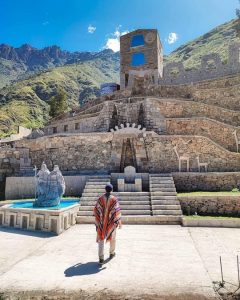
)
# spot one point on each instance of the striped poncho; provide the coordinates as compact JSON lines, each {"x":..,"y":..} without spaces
{"x":107,"y":216}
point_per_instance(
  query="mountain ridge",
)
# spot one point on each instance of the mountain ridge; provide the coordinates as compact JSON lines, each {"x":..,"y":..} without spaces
{"x":19,"y":63}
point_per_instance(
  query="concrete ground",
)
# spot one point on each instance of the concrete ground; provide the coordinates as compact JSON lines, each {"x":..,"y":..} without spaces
{"x":153,"y":260}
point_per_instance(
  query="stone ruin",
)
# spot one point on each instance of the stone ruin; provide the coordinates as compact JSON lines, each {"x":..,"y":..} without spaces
{"x":161,"y":132}
{"x":211,"y":68}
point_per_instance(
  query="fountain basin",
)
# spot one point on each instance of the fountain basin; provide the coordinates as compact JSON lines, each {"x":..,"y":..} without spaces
{"x":55,"y":219}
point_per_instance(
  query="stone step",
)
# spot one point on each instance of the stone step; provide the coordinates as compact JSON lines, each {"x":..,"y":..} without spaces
{"x":131,"y":194}
{"x":167,"y":212}
{"x":163,"y":190}
{"x":94,"y":189}
{"x":160,"y":197}
{"x":123,"y":207}
{"x":165,"y":202}
{"x":118,"y":196}
{"x":161,"y":184}
{"x":98,"y":178}
{"x":120,"y":199}
{"x":125,"y":202}
{"x":144,"y":220}
{"x":94,"y":184}
{"x":166,"y":207}
{"x":165,"y":184}
{"x":123,"y":212}
{"x":160,"y":175}
{"x":159,"y":193}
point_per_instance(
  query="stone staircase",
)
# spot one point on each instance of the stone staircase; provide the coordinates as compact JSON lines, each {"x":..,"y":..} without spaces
{"x":93,"y":189}
{"x":160,"y":206}
{"x":164,"y":198}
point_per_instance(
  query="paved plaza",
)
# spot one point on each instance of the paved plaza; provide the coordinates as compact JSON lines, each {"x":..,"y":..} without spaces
{"x":151,"y":260}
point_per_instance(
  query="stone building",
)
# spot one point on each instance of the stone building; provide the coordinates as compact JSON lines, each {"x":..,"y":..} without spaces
{"x":141,"y":55}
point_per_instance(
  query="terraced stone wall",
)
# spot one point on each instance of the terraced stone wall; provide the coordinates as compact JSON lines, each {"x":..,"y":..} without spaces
{"x":151,"y":152}
{"x":162,"y":158}
{"x":211,"y":205}
{"x":218,"y":132}
{"x":187,"y":109}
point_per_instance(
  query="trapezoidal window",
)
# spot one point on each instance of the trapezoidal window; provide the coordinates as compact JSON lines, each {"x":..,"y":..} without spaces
{"x":138,"y":59}
{"x":137,"y":40}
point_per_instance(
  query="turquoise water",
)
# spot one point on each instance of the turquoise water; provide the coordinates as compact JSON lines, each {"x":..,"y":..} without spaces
{"x":63,"y":204}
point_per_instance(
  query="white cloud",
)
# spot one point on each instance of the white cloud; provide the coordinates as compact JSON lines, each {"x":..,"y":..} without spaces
{"x":113,"y":42}
{"x":172,"y":38}
{"x":91,"y":29}
{"x":45,"y":23}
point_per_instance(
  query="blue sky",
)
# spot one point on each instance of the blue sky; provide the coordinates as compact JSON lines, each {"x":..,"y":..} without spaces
{"x":91,"y":25}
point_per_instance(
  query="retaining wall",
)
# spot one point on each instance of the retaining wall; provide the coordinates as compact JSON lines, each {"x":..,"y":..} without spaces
{"x":24,"y":187}
{"x":210,"y":205}
{"x":214,"y":181}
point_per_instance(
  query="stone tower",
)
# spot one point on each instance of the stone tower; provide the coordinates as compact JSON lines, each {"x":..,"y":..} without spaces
{"x":141,"y":57}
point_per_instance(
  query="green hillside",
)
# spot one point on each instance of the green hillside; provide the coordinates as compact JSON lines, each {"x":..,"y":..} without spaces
{"x":26,"y":102}
{"x":216,"y":40}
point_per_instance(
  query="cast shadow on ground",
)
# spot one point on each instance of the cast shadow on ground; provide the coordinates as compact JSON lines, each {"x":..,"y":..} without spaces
{"x":79,"y":269}
{"x":27,"y":232}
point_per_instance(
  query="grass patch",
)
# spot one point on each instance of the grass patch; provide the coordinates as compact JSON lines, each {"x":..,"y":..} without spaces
{"x":197,"y":217}
{"x":213,"y":194}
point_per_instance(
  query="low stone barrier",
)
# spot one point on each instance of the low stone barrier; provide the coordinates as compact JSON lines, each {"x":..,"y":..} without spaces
{"x":24,"y":187}
{"x":211,"y":181}
{"x":210,"y":205}
{"x":234,"y":223}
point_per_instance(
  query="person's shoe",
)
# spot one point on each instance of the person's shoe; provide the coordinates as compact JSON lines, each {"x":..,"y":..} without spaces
{"x":101,"y":261}
{"x":111,"y":256}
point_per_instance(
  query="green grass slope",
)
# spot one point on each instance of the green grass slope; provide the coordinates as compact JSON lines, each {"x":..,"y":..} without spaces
{"x":216,"y":40}
{"x":26,"y":102}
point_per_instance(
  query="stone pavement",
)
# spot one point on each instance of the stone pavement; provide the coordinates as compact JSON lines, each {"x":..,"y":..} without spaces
{"x":151,"y":259}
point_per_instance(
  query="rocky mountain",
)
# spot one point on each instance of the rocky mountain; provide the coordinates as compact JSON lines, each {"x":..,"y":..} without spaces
{"x":20,"y":63}
{"x":80,"y":74}
{"x":26,"y":102}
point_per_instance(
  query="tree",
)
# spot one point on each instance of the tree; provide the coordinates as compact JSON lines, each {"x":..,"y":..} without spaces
{"x":58,"y":103}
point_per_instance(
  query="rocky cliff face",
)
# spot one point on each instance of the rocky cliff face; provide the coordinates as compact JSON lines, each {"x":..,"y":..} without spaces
{"x":40,"y":58}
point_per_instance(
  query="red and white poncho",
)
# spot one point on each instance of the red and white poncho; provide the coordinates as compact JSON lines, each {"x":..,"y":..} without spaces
{"x":107,"y":214}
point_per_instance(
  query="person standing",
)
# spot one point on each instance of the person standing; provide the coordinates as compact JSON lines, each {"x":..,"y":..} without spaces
{"x":107,"y":214}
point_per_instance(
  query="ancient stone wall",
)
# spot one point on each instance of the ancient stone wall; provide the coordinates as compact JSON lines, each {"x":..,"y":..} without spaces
{"x":211,"y":67}
{"x":112,"y":151}
{"x":162,"y":158}
{"x":71,"y":152}
{"x":216,"y":131}
{"x":211,"y":205}
{"x":170,"y":108}
{"x":9,"y":164}
{"x":214,"y":181}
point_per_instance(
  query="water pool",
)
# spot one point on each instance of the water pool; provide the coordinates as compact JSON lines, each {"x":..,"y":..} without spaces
{"x":28,"y":204}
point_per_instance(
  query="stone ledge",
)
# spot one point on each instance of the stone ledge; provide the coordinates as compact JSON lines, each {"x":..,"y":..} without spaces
{"x":211,"y":223}
{"x":138,"y":220}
